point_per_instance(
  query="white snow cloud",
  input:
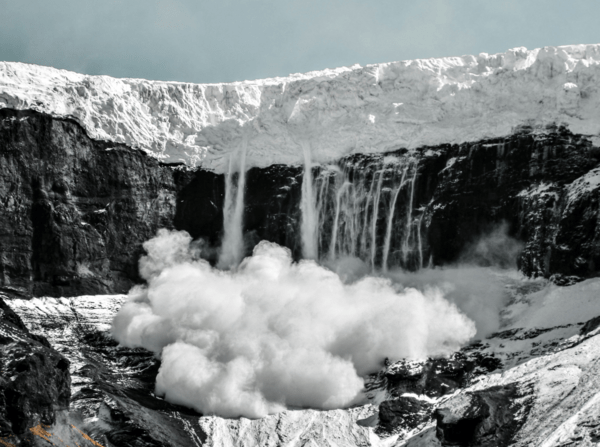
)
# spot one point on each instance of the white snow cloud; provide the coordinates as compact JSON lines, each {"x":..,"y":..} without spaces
{"x":274,"y":334}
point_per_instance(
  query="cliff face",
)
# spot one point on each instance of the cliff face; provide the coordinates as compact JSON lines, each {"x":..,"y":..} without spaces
{"x":473,"y":142}
{"x":75,"y":211}
{"x":541,"y":187}
{"x":544,"y":186}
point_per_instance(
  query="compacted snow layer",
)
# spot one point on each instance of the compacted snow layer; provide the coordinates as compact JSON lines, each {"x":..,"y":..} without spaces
{"x":331,"y":113}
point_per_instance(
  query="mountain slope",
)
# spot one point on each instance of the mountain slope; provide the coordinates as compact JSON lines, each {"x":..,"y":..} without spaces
{"x":533,"y":384}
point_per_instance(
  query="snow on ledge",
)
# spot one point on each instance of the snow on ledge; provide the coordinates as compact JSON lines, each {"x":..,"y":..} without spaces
{"x":335,"y":112}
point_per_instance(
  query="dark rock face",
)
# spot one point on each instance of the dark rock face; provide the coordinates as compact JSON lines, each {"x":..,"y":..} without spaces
{"x":199,"y":209}
{"x":130,"y":413}
{"x":413,"y":387}
{"x":113,"y":397}
{"x":75,"y":211}
{"x":486,"y":418}
{"x":522,"y":184}
{"x":438,"y":377}
{"x":272,"y":210}
{"x":35,"y":381}
{"x":485,"y":183}
{"x":590,"y":326}
{"x":271,"y":207}
{"x":405,"y":412}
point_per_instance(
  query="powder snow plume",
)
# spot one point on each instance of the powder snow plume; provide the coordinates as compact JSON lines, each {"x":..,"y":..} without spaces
{"x":272,"y":333}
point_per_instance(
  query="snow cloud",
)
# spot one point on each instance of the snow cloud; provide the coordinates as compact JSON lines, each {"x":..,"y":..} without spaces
{"x":274,"y":334}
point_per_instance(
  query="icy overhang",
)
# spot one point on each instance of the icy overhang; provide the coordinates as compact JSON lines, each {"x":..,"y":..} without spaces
{"x":375,"y":108}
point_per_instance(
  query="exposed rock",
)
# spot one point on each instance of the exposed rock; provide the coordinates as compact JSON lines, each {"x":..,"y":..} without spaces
{"x":590,"y":326}
{"x":35,"y":383}
{"x":540,"y":185}
{"x":486,"y":418}
{"x":526,"y":181}
{"x":74,"y":211}
{"x":404,"y":413}
{"x":440,"y":376}
{"x":112,"y":387}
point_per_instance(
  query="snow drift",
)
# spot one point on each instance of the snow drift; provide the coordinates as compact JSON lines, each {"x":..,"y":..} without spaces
{"x":335,"y":112}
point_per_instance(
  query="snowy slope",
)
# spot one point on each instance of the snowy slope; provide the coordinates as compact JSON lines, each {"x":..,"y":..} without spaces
{"x":563,"y":392}
{"x":560,"y":391}
{"x":333,"y":112}
{"x":554,"y":367}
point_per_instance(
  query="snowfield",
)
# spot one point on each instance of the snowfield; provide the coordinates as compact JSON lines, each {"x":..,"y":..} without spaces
{"x":375,"y":108}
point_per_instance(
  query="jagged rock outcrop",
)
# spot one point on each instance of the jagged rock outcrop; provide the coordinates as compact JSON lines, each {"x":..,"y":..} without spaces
{"x":530,"y":180}
{"x":35,"y":384}
{"x":74,"y":211}
{"x":437,"y":377}
{"x":112,"y":398}
{"x":405,"y":413}
{"x":485,"y":418}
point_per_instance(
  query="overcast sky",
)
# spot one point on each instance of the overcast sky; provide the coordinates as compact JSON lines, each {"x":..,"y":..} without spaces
{"x":233,"y":40}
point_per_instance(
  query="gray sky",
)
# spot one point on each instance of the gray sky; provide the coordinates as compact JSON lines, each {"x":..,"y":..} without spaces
{"x":232,"y":40}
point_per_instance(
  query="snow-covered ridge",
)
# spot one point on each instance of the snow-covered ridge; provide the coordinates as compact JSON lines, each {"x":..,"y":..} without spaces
{"x":374,"y":108}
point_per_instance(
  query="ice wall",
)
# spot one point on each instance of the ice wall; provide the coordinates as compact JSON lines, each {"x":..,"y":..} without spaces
{"x":375,"y":108}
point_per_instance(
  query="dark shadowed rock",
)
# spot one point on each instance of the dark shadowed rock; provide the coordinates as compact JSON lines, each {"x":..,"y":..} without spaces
{"x":486,"y":418}
{"x":437,"y":377}
{"x":590,"y":326}
{"x":34,"y":380}
{"x":523,"y":180}
{"x":74,"y":211}
{"x":405,"y":412}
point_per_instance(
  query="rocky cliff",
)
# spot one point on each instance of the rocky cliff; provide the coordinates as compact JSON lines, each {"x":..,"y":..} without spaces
{"x":35,"y":383}
{"x":35,"y":388}
{"x":75,"y":210}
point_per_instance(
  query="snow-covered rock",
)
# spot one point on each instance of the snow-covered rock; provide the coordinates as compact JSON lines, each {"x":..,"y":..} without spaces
{"x":542,"y":392}
{"x":375,"y":108}
{"x":555,"y":398}
{"x":335,"y":428}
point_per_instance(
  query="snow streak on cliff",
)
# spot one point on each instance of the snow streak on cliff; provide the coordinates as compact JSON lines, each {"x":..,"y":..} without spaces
{"x":346,"y":110}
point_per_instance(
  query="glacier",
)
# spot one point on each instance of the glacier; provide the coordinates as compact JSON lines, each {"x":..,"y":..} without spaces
{"x":334,"y":112}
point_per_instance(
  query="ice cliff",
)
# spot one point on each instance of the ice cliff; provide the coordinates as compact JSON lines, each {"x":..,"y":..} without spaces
{"x":336,"y":112}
